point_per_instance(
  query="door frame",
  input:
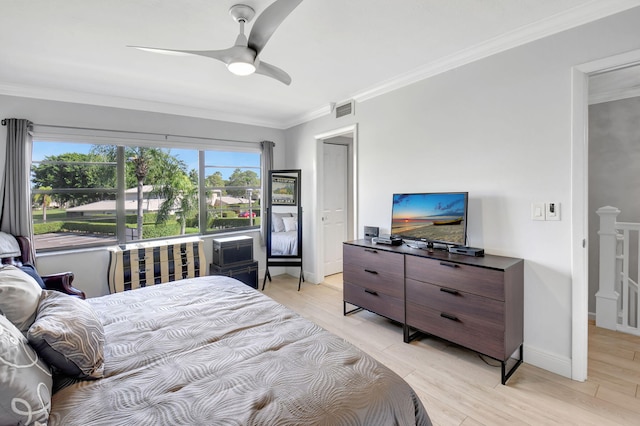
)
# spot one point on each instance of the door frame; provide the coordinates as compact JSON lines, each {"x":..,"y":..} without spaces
{"x":580,"y":203}
{"x":352,"y":188}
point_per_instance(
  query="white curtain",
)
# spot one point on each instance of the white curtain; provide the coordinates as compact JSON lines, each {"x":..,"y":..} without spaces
{"x":267,"y":164}
{"x":16,"y":218}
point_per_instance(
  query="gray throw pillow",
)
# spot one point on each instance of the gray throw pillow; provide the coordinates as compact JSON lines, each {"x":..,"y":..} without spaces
{"x":25,"y":380}
{"x":19,"y":297}
{"x":68,"y":334}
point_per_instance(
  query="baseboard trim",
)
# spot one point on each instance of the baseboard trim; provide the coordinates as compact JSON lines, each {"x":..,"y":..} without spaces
{"x":309,"y":278}
{"x":548,"y":361}
{"x":312,"y":278}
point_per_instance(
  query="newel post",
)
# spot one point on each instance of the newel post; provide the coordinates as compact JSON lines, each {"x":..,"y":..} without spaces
{"x":607,"y":296}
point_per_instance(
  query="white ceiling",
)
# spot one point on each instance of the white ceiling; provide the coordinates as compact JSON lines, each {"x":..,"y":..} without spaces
{"x":334,"y":50}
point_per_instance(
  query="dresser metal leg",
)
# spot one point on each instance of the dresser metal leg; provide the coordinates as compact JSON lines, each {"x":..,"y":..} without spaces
{"x":344,"y":309}
{"x":407,"y":336}
{"x":513,"y":369}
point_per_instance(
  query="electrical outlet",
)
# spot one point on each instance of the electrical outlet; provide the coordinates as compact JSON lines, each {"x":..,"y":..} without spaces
{"x":537,"y":211}
{"x":552,"y":211}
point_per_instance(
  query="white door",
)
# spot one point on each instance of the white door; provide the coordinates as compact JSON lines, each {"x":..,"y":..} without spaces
{"x":334,"y":214}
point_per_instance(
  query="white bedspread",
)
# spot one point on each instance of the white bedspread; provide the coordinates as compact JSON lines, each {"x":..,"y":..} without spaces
{"x":284,"y":243}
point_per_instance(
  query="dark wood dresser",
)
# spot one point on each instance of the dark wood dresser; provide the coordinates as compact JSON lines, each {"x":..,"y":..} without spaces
{"x":476,"y":302}
{"x":374,"y":280}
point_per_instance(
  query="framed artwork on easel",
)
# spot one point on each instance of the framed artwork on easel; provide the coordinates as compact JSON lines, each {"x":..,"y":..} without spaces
{"x":284,"y":190}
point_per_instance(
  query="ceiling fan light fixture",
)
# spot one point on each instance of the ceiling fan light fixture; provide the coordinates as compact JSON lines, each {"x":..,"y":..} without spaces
{"x":243,"y":57}
{"x":241,"y":68}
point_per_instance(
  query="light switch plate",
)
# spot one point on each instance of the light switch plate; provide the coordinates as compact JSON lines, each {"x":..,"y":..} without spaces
{"x":537,"y":211}
{"x":552,"y":210}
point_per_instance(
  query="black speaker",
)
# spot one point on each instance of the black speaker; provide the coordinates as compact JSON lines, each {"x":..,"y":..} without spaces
{"x":370,"y":232}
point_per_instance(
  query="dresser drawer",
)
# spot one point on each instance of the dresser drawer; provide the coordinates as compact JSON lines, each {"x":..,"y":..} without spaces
{"x":371,"y":300}
{"x":471,"y":332}
{"x":456,"y":302}
{"x":374,"y":279}
{"x":470,"y":279}
{"x":379,"y":260}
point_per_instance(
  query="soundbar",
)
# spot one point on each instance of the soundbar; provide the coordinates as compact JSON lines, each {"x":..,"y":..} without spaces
{"x":467,"y":251}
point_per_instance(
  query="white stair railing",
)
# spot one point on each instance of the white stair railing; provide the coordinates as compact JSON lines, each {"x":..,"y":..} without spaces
{"x":629,"y":313}
{"x":618,"y":298}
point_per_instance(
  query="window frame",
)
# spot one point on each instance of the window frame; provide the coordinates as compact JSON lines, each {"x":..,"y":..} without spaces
{"x":122,"y":140}
{"x":204,"y":207}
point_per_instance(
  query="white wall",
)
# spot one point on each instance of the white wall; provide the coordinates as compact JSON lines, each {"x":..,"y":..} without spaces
{"x":90,"y":267}
{"x":499,"y":128}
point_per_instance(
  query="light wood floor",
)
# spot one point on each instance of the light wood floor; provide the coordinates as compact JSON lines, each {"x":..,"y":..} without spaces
{"x":458,"y":387}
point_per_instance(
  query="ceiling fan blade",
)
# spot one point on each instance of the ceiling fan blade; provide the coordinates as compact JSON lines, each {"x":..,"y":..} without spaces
{"x":273,"y":72}
{"x":268,"y":21}
{"x":221,"y":55}
{"x":162,"y":51}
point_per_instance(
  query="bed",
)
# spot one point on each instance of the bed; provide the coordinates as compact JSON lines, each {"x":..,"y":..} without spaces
{"x":213,"y":351}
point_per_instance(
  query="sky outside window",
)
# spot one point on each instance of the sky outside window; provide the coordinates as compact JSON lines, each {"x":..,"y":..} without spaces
{"x":189,"y":156}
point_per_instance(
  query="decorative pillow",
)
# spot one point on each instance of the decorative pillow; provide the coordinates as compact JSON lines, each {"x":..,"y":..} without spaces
{"x":9,"y":246}
{"x":68,"y":334}
{"x":25,"y":380}
{"x":290,"y":223}
{"x":19,"y":297}
{"x":277,"y":225}
{"x":30,"y":270}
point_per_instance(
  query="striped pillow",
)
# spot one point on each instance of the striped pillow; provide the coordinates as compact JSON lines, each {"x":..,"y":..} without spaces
{"x":68,"y":334}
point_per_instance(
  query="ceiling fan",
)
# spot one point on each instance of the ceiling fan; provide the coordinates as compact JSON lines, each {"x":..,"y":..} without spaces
{"x":243,"y":58}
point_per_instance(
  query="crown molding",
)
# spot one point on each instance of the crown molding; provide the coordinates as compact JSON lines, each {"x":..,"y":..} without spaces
{"x":85,"y":98}
{"x":560,"y":22}
{"x":308,"y":116}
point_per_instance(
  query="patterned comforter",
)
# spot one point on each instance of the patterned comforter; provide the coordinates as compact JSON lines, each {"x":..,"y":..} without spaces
{"x":213,"y":351}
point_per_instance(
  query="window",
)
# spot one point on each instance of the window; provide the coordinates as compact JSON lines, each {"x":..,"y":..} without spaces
{"x":88,"y":194}
{"x":232,"y":188}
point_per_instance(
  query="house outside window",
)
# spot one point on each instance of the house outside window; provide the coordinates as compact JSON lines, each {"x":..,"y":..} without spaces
{"x":92,"y":194}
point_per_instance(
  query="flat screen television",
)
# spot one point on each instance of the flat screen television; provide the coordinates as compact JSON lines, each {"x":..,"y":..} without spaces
{"x":436,"y":217}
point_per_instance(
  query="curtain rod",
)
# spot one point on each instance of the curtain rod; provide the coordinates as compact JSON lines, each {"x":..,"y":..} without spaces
{"x":166,"y":135}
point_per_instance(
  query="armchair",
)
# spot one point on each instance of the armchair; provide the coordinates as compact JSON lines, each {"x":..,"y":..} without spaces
{"x":61,"y":281}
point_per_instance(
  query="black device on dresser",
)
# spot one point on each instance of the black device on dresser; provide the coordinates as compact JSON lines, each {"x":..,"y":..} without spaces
{"x":233,"y":257}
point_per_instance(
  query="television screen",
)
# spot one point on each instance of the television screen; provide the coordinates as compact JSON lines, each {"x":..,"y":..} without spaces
{"x":431,"y":217}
